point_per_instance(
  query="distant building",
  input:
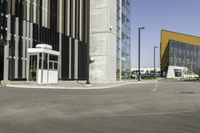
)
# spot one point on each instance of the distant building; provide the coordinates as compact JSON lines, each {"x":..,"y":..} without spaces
{"x":180,"y":55}
{"x":145,"y":73}
{"x":145,"y":70}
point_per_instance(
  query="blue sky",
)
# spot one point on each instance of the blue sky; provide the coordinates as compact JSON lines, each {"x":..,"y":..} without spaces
{"x":175,"y":15}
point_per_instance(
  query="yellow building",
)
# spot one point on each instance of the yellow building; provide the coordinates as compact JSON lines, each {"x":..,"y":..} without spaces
{"x":180,"y":53}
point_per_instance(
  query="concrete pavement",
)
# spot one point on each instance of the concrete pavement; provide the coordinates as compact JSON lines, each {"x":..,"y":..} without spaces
{"x":162,"y":107}
{"x":75,"y":84}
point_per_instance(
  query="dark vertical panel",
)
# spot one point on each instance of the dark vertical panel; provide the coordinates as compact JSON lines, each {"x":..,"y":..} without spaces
{"x":12,"y":50}
{"x":1,"y":19}
{"x":2,"y":39}
{"x":84,"y":20}
{"x":9,"y":9}
{"x":77,"y":20}
{"x":65,"y":58}
{"x":1,"y":59}
{"x":20,"y":37}
{"x":31,"y":11}
{"x":71,"y":17}
{"x":17,"y":8}
{"x":53,"y":24}
{"x":40,"y":22}
{"x":72,"y":58}
{"x":82,"y":61}
{"x":64,"y":16}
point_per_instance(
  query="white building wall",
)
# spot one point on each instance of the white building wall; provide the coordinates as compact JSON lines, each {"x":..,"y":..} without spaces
{"x":103,"y":40}
{"x":184,"y":72}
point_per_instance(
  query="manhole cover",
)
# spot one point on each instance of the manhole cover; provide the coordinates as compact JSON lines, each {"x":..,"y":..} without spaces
{"x":187,"y":92}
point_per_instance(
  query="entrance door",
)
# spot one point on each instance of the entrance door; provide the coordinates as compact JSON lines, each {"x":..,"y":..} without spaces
{"x":1,"y":59}
{"x":33,"y":68}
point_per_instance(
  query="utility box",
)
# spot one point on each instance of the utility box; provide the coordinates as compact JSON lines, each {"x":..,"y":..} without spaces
{"x":42,"y":65}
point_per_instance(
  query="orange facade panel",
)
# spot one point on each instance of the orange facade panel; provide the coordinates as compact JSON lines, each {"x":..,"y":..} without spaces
{"x":166,"y":36}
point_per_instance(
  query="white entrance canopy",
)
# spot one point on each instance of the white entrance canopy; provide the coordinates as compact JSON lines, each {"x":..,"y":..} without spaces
{"x":42,"y":65}
{"x":43,"y":48}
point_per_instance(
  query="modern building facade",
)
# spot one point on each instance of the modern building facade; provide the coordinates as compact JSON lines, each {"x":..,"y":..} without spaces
{"x":180,"y":55}
{"x":110,"y":39}
{"x":123,"y":39}
{"x":103,"y":40}
{"x":62,"y":24}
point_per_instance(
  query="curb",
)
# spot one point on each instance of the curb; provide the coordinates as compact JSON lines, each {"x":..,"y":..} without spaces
{"x":73,"y":88}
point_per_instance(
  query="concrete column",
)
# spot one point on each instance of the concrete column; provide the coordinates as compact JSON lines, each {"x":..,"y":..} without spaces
{"x":81,"y":20}
{"x":31,"y":35}
{"x":6,"y":49}
{"x":68,"y":17}
{"x":60,"y":57}
{"x":16,"y":46}
{"x":70,"y":58}
{"x":24,"y":50}
{"x":76,"y":60}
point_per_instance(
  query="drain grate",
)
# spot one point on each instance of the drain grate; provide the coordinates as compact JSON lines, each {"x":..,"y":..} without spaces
{"x":187,"y":92}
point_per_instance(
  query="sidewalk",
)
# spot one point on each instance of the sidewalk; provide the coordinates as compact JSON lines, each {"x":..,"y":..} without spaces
{"x":74,"y":84}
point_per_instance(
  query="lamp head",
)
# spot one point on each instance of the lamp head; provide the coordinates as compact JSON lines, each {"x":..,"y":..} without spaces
{"x":142,"y":28}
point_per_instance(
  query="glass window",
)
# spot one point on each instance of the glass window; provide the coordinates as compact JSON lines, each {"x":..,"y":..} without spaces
{"x":40,"y":61}
{"x":55,"y":66}
{"x":177,"y":73}
{"x":45,"y":61}
{"x":50,"y":65}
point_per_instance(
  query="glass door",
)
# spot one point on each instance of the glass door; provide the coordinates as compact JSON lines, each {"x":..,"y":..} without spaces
{"x":33,"y":62}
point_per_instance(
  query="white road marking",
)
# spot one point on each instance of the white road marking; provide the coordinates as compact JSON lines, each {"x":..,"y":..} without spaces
{"x":154,"y":90}
{"x":153,"y":113}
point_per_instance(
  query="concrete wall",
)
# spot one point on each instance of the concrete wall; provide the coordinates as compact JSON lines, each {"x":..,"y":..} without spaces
{"x":185,"y":72}
{"x":103,"y":40}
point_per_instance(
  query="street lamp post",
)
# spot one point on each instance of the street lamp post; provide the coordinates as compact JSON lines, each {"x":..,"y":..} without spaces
{"x":88,"y":47}
{"x":139,"y":74}
{"x":155,"y":61}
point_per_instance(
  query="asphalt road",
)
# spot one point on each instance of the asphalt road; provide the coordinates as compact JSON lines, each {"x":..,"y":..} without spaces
{"x":164,"y":107}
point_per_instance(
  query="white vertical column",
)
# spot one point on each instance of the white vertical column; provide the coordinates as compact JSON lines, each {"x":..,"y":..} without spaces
{"x":70,"y":58}
{"x":76,"y":60}
{"x":81,"y":20}
{"x":60,"y":16}
{"x":6,"y":50}
{"x":28,"y":9}
{"x":60,"y":36}
{"x":46,"y":13}
{"x":31,"y":35}
{"x":27,"y":45}
{"x":68,"y":17}
{"x":34,"y":11}
{"x":27,"y":36}
{"x":16,"y":46}
{"x":43,"y":13}
{"x":74,"y":17}
{"x":60,"y":57}
{"x":24,"y":50}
